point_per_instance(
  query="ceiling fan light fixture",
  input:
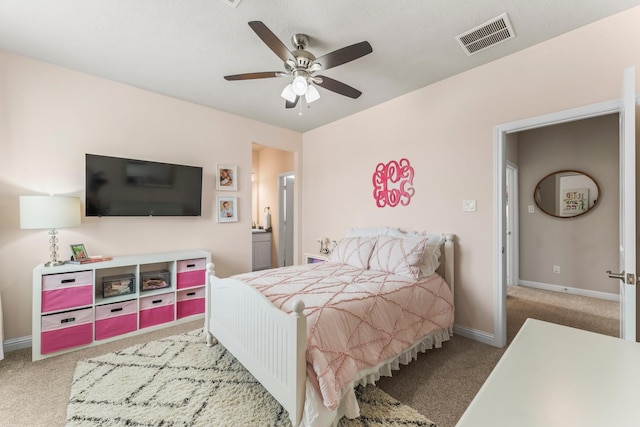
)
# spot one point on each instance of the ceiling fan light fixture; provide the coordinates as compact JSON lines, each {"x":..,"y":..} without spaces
{"x":288,"y":93}
{"x":299,"y":85}
{"x":312,"y":94}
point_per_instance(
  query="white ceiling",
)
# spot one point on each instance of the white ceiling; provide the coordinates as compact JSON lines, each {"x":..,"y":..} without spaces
{"x":183,"y":48}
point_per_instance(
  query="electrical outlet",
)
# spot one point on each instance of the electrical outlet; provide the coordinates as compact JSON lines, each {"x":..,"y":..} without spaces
{"x":556,"y":269}
{"x":469,"y":205}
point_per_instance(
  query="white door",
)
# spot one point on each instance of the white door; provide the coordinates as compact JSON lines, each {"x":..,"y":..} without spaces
{"x":512,"y":225}
{"x":627,"y":275}
{"x":285,"y":246}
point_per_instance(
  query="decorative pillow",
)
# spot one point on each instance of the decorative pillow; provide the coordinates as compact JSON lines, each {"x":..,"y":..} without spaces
{"x":398,"y":255}
{"x":354,"y":251}
{"x":432,"y":252}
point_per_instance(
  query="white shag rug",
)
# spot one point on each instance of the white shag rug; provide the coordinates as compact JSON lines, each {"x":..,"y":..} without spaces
{"x":179,"y":381}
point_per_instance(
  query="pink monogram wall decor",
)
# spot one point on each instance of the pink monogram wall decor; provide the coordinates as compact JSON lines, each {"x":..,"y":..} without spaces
{"x":393,"y":183}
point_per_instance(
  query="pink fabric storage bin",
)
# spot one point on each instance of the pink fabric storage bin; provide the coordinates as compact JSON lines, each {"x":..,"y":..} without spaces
{"x":116,"y":319}
{"x":61,"y":331}
{"x":67,"y":290}
{"x":156,"y":309}
{"x":190,"y":302}
{"x":191,"y":272}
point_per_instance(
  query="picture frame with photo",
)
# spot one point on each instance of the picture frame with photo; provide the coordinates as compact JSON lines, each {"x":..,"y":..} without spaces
{"x":226,"y":177}
{"x":79,"y":252}
{"x":227,"y":209}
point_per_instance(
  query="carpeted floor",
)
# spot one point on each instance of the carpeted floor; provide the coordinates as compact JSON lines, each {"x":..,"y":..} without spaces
{"x":590,"y":314}
{"x":179,"y":381}
{"x":443,"y":382}
{"x":440,"y":384}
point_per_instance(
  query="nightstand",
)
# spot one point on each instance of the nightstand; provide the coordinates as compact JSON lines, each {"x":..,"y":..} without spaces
{"x":314,"y":258}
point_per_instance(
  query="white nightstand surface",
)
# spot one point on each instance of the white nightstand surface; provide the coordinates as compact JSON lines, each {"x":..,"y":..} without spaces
{"x":556,"y":376}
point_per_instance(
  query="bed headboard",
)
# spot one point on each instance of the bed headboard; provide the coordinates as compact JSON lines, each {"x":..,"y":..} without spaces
{"x":447,"y":258}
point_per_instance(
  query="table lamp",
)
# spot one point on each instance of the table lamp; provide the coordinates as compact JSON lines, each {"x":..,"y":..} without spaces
{"x":50,"y":212}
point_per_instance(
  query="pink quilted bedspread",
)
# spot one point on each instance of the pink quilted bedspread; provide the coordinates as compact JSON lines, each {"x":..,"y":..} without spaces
{"x":356,"y":318}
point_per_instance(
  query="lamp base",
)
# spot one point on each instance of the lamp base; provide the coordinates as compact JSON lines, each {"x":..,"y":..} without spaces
{"x":54,"y":263}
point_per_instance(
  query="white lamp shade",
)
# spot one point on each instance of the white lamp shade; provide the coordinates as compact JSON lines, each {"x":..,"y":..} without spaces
{"x":299,"y":85}
{"x":288,"y":94}
{"x":46,"y":212}
{"x":312,"y":94}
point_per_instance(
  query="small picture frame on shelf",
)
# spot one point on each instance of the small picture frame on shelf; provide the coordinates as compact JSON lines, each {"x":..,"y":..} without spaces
{"x":226,"y":177}
{"x":79,"y":252}
{"x":227,"y":209}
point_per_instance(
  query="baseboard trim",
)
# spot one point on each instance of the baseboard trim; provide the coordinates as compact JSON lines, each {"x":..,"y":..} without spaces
{"x":569,"y":290}
{"x":16,"y":344}
{"x":474,"y":334}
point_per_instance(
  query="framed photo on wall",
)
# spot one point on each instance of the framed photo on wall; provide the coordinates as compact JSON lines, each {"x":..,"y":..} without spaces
{"x":227,"y":209}
{"x":226,"y":178}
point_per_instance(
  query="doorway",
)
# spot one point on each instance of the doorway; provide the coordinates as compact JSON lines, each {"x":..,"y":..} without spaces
{"x":504,"y":242}
{"x":269,"y":165}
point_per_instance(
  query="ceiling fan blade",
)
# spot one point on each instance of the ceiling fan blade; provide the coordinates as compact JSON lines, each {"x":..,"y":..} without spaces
{"x":271,"y":40}
{"x":339,"y":87}
{"x":344,"y":55}
{"x":292,"y":104}
{"x":262,"y":75}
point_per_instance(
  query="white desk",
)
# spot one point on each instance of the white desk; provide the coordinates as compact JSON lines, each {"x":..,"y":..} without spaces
{"x":555,"y":376}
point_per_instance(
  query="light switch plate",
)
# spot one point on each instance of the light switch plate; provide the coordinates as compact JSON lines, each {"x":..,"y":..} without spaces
{"x":469,"y":205}
{"x":531,"y":209}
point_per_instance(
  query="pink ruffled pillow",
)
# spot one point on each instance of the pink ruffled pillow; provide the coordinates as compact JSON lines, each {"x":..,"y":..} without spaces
{"x":401,"y":256}
{"x":354,"y":251}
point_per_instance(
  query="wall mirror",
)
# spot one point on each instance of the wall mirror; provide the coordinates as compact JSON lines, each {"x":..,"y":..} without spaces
{"x":566,"y":194}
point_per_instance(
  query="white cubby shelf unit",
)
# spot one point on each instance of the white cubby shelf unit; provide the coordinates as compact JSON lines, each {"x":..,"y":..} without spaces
{"x":70,"y":310}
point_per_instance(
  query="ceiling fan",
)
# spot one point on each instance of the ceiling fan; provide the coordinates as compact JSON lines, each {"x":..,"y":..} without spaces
{"x":303,"y":66}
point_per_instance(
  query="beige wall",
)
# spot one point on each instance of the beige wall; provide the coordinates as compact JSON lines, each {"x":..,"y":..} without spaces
{"x":51,"y":116}
{"x":446,"y":130}
{"x":586,"y":246}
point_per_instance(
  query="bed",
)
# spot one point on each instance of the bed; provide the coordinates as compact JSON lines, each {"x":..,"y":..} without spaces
{"x":310,"y":333}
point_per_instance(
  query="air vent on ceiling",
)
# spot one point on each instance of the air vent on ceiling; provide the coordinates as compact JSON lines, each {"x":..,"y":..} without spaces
{"x":232,"y":3}
{"x":486,"y":35}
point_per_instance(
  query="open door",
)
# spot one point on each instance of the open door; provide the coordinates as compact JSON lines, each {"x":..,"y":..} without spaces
{"x":627,"y":275}
{"x":511,"y":217}
{"x":285,"y":243}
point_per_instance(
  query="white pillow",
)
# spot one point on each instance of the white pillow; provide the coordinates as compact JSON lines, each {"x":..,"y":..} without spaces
{"x":398,"y":255}
{"x":371,"y":231}
{"x":354,"y":251}
{"x":432,"y":251}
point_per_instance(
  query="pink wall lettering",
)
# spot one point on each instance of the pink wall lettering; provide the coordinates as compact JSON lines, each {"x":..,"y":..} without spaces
{"x":393,"y":183}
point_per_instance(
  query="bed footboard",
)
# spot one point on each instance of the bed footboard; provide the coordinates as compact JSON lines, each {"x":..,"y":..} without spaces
{"x":269,"y":343}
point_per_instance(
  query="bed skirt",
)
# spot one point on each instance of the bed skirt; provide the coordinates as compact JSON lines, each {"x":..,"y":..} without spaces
{"x":315,"y":414}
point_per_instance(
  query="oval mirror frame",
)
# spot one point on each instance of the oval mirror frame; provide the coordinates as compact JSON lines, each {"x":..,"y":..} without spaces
{"x":566,"y":194}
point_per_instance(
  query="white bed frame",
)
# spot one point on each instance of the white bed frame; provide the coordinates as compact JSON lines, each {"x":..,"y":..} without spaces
{"x":268,"y":342}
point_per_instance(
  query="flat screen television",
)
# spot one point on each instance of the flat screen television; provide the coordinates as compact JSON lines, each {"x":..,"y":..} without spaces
{"x":127,"y":187}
